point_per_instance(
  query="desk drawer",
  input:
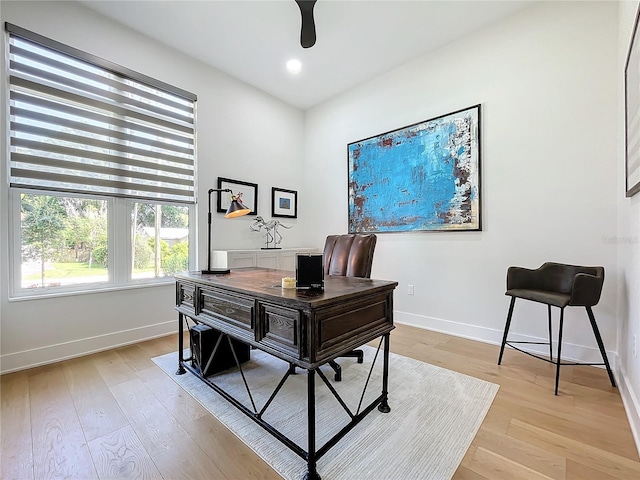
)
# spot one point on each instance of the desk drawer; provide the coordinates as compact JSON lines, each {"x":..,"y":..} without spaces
{"x":185,"y":295}
{"x":236,"y":310}
{"x":279,"y":328}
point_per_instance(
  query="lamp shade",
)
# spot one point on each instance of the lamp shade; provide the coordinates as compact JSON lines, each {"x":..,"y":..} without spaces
{"x":236,"y":209}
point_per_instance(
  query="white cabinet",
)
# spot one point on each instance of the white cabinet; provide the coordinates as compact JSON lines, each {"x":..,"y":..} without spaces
{"x":280,"y":259}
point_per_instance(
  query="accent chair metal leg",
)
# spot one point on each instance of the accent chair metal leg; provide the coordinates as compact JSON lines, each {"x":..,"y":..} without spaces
{"x":603,"y":352}
{"x":550,"y":335}
{"x":559,"y":349}
{"x":506,"y":328}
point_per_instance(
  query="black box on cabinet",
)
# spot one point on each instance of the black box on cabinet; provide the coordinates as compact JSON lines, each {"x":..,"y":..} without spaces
{"x":203,"y":340}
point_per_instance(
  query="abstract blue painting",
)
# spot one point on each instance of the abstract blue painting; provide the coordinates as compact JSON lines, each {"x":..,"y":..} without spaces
{"x":425,"y":176}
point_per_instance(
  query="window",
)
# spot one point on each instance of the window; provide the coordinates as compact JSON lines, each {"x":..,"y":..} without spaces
{"x":102,"y":169}
{"x":64,"y":241}
{"x":160,"y":240}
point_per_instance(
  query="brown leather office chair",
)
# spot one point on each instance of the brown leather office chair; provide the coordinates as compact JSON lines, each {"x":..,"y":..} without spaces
{"x":349,"y":255}
{"x":558,"y":285}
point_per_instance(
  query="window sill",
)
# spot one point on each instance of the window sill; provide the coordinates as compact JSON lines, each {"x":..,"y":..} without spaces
{"x":92,"y":290}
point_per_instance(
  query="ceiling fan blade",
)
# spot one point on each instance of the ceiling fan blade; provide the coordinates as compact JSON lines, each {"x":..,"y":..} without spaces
{"x":308,"y":30}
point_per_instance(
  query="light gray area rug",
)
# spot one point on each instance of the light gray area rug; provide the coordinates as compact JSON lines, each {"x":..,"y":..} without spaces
{"x":435,"y":414}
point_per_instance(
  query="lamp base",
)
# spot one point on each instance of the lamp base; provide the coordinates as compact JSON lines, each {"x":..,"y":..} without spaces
{"x":216,"y":271}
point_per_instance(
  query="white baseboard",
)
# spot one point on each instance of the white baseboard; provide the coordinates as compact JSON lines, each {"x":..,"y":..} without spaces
{"x":570,"y":352}
{"x":631,"y":403}
{"x":12,"y":362}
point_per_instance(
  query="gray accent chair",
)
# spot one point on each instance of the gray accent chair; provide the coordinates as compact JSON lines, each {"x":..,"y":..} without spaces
{"x":557,"y":285}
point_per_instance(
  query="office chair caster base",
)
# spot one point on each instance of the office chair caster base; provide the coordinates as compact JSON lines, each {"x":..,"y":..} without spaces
{"x":336,"y":368}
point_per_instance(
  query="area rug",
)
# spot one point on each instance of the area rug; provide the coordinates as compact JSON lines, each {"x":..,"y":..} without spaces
{"x":435,"y":414}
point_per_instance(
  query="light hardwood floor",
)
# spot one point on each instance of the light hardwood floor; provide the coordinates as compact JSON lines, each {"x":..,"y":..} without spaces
{"x":116,"y":415}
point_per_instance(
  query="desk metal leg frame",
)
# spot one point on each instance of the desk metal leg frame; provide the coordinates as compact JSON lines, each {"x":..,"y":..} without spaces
{"x":312,"y":473}
{"x":181,"y":370}
{"x":312,"y":455}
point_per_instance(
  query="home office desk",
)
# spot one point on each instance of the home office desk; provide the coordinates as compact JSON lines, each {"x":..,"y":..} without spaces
{"x":305,"y":328}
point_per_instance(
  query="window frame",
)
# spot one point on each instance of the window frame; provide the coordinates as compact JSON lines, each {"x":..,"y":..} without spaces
{"x":119,"y":208}
{"x":120,"y":259}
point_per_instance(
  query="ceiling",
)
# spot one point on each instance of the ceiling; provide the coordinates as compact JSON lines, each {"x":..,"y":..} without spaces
{"x":356,"y":40}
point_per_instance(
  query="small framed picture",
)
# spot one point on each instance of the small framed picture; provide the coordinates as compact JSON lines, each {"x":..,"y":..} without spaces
{"x":248,"y":193}
{"x":284,"y":203}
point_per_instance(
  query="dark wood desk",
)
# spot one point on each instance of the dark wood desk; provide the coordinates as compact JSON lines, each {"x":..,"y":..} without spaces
{"x":306,"y":328}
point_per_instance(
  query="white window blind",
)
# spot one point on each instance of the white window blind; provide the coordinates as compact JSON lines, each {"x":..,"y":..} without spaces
{"x":81,"y":124}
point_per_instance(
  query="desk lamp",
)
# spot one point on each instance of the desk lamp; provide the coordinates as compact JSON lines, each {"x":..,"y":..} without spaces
{"x":236,"y":209}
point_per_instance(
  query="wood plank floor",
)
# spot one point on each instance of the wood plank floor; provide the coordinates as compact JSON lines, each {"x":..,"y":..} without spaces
{"x":114,"y":414}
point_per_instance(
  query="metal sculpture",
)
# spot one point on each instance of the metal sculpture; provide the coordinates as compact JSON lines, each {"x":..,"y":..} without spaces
{"x":271,"y":234}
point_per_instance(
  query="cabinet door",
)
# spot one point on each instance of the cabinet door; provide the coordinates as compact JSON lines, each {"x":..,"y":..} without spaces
{"x":240,"y":260}
{"x":267,"y":260}
{"x":288,"y":261}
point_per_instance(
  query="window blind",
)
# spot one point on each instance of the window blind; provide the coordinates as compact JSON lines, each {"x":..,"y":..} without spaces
{"x":80,"y":124}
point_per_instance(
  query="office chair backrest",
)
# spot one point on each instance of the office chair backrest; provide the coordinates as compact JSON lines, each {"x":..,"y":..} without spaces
{"x":349,"y":255}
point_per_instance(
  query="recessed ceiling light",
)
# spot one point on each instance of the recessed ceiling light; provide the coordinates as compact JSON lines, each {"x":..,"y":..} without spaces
{"x":294,"y":66}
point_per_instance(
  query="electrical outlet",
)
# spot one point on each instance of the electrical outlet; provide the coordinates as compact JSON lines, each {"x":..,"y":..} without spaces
{"x":410,"y":289}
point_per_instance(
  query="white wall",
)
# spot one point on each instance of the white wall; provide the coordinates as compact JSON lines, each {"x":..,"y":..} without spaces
{"x":546,"y":79}
{"x":628,"y":241}
{"x":243,"y":134}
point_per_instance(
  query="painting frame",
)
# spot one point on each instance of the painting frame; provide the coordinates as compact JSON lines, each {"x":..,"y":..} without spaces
{"x":422,"y":177}
{"x":284,"y":203}
{"x":248,"y":190}
{"x":632,"y":113}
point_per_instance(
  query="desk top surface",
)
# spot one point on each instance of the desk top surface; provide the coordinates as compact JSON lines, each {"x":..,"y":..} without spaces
{"x":267,"y":283}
